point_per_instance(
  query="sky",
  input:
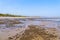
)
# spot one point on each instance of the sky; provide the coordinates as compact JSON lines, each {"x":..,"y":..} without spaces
{"x":44,"y":8}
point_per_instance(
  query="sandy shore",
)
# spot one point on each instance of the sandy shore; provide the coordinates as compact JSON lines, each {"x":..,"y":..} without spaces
{"x":14,"y":31}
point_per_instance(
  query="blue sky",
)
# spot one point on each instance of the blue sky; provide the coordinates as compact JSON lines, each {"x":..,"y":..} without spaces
{"x":46,"y":8}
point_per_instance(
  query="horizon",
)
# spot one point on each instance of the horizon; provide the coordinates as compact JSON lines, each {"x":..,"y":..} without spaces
{"x":43,"y":8}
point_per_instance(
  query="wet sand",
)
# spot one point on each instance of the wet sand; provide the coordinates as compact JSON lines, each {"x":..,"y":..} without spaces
{"x":5,"y":33}
{"x":12,"y":29}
